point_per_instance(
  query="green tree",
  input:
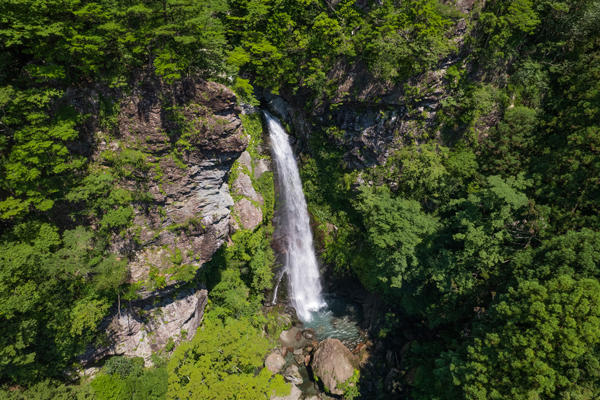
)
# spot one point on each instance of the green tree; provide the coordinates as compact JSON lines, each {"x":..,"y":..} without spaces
{"x":395,"y":227}
{"x":538,"y":341}
{"x":220,"y":363}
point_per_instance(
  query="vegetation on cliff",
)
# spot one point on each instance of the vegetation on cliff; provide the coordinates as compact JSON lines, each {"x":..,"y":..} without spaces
{"x":480,"y":232}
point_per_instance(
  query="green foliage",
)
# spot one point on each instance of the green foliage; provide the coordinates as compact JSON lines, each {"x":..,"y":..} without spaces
{"x":55,"y":289}
{"x":48,"y":389}
{"x":221,"y":363}
{"x":125,"y":378}
{"x":538,"y":341}
{"x":124,"y":366}
{"x":350,"y":386}
{"x":511,"y":142}
{"x":405,"y":38}
{"x":395,"y":227}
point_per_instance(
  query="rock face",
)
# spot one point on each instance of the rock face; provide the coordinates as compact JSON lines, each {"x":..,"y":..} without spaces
{"x":176,"y":145}
{"x":373,"y":118}
{"x":132,"y":335}
{"x":274,"y":362}
{"x":333,"y":364}
{"x":250,"y":215}
{"x":185,"y":139}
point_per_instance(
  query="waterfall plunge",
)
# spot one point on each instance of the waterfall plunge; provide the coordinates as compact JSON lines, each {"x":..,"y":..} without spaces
{"x":300,"y":260}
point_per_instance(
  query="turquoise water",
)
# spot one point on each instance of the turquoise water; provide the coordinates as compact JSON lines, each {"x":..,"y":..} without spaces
{"x":340,"y":320}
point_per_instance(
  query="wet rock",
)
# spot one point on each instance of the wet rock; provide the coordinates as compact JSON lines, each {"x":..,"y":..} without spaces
{"x":294,"y":395}
{"x":292,"y":338}
{"x":274,"y":362}
{"x":146,"y":331}
{"x":250,"y":216}
{"x":333,"y":364}
{"x":299,"y":358}
{"x":307,"y":360}
{"x":392,"y":381}
{"x":292,"y":374}
{"x":308,"y":334}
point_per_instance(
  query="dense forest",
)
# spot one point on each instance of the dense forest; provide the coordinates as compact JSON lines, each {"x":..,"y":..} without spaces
{"x":478,"y":231}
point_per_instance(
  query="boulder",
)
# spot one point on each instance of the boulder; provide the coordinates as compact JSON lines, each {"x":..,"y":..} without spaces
{"x":308,"y":334}
{"x":295,"y":394}
{"x":292,"y":374}
{"x":292,"y":338}
{"x":274,"y":362}
{"x":333,"y":364}
{"x":250,"y":216}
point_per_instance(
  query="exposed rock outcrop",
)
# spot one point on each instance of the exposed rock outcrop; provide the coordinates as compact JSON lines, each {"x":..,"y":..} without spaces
{"x":175,"y":145}
{"x":184,"y":138}
{"x":250,"y":216}
{"x":333,"y":364}
{"x":145,"y":329}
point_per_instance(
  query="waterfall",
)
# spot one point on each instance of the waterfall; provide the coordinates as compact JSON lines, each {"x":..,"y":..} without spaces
{"x":300,"y":260}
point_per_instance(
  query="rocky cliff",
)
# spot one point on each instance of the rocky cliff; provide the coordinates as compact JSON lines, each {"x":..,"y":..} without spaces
{"x":370,"y":118}
{"x":178,"y":145}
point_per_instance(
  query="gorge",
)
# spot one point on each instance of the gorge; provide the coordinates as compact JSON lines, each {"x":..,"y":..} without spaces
{"x":415,"y":216}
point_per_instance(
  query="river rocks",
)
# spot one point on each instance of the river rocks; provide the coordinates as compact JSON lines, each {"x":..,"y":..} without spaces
{"x":292,"y":338}
{"x":295,"y":394}
{"x":274,"y":362}
{"x":333,"y":364}
{"x":392,"y":381}
{"x":309,"y":334}
{"x":292,"y":374}
{"x":149,"y":325}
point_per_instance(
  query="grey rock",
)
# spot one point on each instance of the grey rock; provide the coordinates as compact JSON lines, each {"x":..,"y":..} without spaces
{"x":274,"y":362}
{"x":292,"y":374}
{"x":295,"y":394}
{"x":245,"y":161}
{"x":308,"y":334}
{"x":189,"y":207}
{"x":140,"y":334}
{"x":333,"y":364}
{"x":250,"y":216}
{"x":292,"y":338}
{"x":242,"y":186}
{"x":261,"y":166}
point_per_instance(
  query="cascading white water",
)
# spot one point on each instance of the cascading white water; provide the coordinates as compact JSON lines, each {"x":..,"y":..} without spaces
{"x":300,"y":260}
